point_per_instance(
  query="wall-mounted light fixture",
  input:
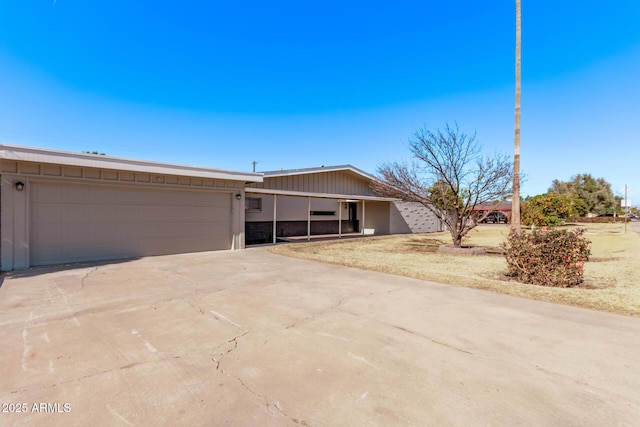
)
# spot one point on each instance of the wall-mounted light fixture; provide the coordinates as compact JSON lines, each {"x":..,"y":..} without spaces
{"x":238,"y":196}
{"x":19,"y":185}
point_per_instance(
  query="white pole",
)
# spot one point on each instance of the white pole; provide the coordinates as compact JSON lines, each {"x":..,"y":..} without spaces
{"x":339,"y":219}
{"x":626,"y":207}
{"x":308,"y":218}
{"x":275,"y":203}
{"x":363,"y":211}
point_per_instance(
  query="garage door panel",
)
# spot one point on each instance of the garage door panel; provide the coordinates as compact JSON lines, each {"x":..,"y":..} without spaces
{"x":103,"y":235}
{"x":176,"y":213}
{"x":77,"y":222}
{"x":49,"y":236}
{"x":46,"y":194}
{"x":76,"y":214}
{"x":107,"y":212}
{"x":45,"y":213}
{"x":170,"y":246}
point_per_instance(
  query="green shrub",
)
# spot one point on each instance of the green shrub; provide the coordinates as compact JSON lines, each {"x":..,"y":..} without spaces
{"x":597,"y":219}
{"x":547,"y":257}
{"x":549,"y":209}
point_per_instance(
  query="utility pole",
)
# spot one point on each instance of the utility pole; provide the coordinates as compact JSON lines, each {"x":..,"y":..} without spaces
{"x":515,"y":199}
{"x":254,"y":163}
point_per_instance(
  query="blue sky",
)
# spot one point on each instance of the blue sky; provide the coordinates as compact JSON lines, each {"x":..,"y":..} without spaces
{"x":294,"y":84}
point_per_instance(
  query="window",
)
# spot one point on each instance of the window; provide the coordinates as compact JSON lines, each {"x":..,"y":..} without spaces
{"x":323,"y":213}
{"x":253,"y":204}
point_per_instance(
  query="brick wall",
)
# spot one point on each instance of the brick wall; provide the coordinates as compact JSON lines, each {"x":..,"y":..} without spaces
{"x":262,"y":232}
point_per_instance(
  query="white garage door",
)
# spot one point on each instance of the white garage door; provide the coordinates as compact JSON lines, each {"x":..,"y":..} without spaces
{"x":77,"y":222}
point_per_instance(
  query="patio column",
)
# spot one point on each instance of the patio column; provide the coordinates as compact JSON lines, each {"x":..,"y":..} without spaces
{"x":363,"y":210}
{"x":275,"y":211}
{"x":339,"y":219}
{"x":308,"y":218}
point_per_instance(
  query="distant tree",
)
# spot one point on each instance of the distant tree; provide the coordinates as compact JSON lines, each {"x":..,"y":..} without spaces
{"x":550,"y":209}
{"x":596,"y":193}
{"x":580,"y":207}
{"x":450,"y":177}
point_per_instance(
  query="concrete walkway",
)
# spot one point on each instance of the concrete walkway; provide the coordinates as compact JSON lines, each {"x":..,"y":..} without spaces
{"x":248,"y":338}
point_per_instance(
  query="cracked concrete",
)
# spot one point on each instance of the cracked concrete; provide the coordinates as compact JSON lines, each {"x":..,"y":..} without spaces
{"x":223,"y":351}
{"x":229,"y":348}
{"x":430,"y":339}
{"x":314,"y":315}
{"x":86,"y":276}
{"x":249,"y":338}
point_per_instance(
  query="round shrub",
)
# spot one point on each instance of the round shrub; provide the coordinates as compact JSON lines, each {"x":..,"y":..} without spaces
{"x":549,"y":209}
{"x":547,"y":257}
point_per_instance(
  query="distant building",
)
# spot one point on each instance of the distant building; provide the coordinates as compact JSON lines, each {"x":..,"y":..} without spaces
{"x":503,"y":208}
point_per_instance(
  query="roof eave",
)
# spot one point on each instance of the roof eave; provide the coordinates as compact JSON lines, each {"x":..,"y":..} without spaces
{"x":39,"y":155}
{"x":344,"y":197}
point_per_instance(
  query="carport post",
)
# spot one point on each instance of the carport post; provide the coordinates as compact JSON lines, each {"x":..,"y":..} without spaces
{"x":339,"y":219}
{"x":275,"y":203}
{"x":308,"y":218}
{"x":363,"y":217}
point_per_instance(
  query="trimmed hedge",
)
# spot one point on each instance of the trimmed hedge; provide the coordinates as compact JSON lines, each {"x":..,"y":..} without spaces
{"x":547,"y":257}
{"x":597,"y":219}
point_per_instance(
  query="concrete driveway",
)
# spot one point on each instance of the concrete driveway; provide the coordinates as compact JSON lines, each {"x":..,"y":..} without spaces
{"x":247,"y":338}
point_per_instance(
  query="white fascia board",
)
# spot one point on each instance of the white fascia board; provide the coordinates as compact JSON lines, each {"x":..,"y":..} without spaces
{"x":39,"y":155}
{"x":343,"y":197}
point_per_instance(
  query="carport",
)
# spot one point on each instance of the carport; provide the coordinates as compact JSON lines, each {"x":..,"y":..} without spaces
{"x":341,"y":199}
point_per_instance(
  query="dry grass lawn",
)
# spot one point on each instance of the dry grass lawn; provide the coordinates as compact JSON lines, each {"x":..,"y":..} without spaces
{"x":611,"y":280}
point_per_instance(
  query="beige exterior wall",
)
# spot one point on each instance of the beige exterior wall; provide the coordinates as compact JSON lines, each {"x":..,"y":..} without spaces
{"x":333,"y":182}
{"x":23,"y":214}
{"x":376,"y":217}
{"x":291,"y":208}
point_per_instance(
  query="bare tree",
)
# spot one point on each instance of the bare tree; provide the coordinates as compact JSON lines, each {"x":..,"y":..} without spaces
{"x":515,"y":201}
{"x":450,"y":177}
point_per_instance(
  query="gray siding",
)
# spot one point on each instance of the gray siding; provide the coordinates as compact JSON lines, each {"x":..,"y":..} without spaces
{"x":412,"y":217}
{"x":334,"y":182}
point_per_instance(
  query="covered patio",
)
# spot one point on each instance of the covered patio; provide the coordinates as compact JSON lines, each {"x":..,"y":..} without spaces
{"x":357,"y":215}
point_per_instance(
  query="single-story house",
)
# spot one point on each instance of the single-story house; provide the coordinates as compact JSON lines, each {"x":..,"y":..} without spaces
{"x":503,"y":208}
{"x":327,"y":200}
{"x":59,"y":207}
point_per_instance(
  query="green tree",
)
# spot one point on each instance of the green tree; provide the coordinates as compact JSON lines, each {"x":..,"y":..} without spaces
{"x":579,"y":206}
{"x":450,"y":177}
{"x":596,"y":193}
{"x":550,"y":209}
